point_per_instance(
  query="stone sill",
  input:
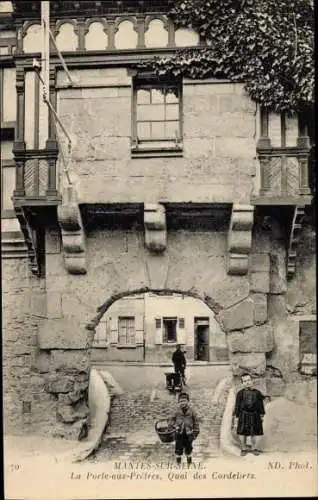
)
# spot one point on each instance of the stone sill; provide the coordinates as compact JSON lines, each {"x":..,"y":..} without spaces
{"x":156,"y":152}
{"x":126,"y":346}
{"x":169,"y":344}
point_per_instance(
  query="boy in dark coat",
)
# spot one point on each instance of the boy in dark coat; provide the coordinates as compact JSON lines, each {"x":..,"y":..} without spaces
{"x":179,"y":362}
{"x":187,"y":428}
{"x":248,"y":414}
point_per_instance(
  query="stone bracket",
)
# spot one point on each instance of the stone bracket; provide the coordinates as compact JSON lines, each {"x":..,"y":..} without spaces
{"x":72,"y":230}
{"x":239,"y":239}
{"x":30,"y":238}
{"x":296,"y":227}
{"x":155,"y":227}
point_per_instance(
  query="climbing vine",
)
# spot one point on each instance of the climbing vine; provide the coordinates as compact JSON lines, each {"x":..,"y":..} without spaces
{"x":267,"y":44}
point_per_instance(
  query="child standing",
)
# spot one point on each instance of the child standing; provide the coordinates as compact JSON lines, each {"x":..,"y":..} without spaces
{"x":248,"y":414}
{"x":187,"y":428}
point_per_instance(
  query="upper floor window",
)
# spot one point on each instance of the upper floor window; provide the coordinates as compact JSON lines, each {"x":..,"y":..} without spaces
{"x":157,"y":124}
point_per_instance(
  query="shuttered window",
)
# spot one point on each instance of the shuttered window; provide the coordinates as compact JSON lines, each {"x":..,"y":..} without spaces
{"x":181,"y":323}
{"x":169,"y":330}
{"x":126,"y":330}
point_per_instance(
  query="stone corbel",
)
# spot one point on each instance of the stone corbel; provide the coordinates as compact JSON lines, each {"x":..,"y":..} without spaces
{"x":72,"y":230}
{"x":294,"y":240}
{"x":155,"y":227}
{"x":240,"y":239}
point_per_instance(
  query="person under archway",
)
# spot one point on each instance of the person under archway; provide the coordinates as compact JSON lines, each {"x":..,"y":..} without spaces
{"x":180,"y":363}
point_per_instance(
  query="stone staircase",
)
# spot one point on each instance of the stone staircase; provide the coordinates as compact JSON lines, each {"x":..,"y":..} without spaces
{"x":13,"y":245}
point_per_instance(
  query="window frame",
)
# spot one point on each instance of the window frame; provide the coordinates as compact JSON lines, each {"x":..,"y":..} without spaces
{"x":169,"y":318}
{"x":126,"y":344}
{"x":143,"y":148}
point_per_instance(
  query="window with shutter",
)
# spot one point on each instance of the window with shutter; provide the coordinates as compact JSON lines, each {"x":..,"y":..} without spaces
{"x":126,"y":330}
{"x":107,"y":335}
{"x":169,"y":330}
{"x":181,"y":323}
{"x":158,"y":334}
{"x":139,"y":327}
{"x":113,"y":327}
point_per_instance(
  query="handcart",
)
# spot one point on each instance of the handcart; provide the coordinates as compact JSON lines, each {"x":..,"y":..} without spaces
{"x":173,"y":382}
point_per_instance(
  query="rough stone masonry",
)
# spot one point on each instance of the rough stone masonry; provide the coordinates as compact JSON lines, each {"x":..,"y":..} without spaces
{"x":49,"y":323}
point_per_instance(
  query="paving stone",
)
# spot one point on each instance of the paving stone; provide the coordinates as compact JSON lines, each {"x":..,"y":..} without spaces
{"x":131,"y":434}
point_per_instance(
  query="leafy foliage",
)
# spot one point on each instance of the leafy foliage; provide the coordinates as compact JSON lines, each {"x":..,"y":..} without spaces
{"x":267,"y":44}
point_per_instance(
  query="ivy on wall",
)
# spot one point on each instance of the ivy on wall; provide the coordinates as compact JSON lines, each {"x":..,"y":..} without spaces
{"x":267,"y":44}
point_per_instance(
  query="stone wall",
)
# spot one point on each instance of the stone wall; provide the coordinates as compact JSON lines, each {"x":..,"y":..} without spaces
{"x":50,"y":325}
{"x":292,"y":302}
{"x":27,"y":407}
{"x":194,"y":263}
{"x":219,"y":133}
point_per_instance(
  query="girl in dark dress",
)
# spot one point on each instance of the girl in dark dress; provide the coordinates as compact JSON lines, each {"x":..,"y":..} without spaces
{"x":248,"y":414}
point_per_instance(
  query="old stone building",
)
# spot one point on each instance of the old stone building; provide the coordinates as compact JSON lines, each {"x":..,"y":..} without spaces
{"x":154,"y":324}
{"x":171,"y":187}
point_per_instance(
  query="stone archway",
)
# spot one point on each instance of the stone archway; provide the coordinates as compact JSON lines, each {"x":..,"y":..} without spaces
{"x":119,"y":265}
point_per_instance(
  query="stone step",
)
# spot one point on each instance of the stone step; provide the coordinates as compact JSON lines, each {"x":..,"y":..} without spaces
{"x":13,"y":247}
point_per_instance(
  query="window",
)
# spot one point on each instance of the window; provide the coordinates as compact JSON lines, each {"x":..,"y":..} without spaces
{"x":126,"y":330}
{"x":156,"y":115}
{"x":169,"y":330}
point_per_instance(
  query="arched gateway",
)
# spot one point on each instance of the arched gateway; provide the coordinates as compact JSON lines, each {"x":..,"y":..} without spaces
{"x":119,"y":265}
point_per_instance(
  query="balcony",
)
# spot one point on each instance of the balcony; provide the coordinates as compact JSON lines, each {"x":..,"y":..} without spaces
{"x":283,"y":151}
{"x":284,"y":178}
{"x":36,"y":179}
{"x":35,"y":198}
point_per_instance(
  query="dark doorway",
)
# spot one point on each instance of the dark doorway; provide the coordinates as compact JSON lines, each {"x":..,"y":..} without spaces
{"x":201,"y":339}
{"x":308,"y":337}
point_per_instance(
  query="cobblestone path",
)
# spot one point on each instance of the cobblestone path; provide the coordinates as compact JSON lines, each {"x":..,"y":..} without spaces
{"x":131,"y":435}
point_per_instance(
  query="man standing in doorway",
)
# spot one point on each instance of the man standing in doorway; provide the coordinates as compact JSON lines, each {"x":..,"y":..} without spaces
{"x":179,"y":362}
{"x":248,"y":414}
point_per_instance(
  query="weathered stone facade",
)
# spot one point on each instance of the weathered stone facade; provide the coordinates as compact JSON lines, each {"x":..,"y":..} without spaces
{"x":218,"y":142}
{"x":60,"y":362}
{"x":236,"y":262}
